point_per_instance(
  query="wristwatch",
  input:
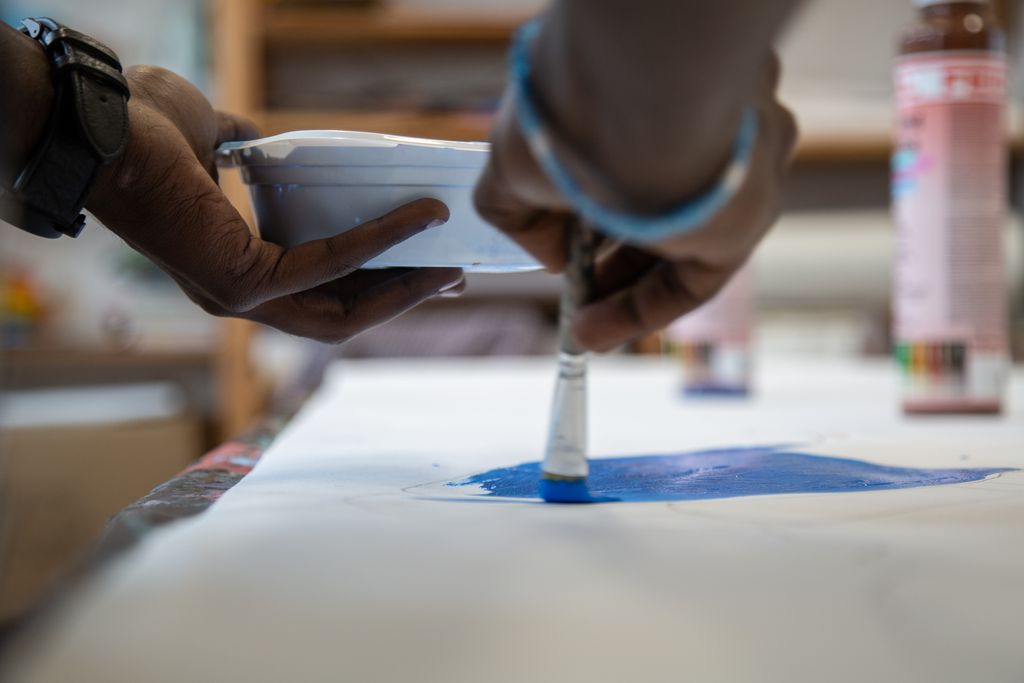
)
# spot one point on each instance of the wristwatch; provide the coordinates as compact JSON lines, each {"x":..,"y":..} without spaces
{"x":86,"y":130}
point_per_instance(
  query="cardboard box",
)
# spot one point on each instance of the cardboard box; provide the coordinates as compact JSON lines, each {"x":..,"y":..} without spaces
{"x":62,"y":481}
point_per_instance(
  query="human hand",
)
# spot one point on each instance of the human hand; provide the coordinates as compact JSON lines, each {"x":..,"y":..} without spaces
{"x":638,"y":290}
{"x":162,"y":198}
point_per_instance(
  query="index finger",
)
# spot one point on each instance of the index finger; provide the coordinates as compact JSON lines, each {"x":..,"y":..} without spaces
{"x":664,"y":293}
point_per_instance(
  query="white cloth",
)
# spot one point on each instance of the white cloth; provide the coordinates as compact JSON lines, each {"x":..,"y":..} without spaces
{"x":344,"y":557}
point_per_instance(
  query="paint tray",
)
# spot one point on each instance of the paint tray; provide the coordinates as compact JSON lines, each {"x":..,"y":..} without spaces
{"x":307,"y":185}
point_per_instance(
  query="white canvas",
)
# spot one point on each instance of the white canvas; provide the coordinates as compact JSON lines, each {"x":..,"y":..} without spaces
{"x":344,"y":556}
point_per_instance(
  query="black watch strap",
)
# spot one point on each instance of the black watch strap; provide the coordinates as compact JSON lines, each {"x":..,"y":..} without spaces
{"x":87,"y":129}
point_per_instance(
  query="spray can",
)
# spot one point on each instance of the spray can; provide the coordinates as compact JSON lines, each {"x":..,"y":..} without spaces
{"x":713,"y":343}
{"x":949,"y":178}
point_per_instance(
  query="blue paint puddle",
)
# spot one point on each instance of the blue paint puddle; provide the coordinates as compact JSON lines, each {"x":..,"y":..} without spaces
{"x":724,"y":473}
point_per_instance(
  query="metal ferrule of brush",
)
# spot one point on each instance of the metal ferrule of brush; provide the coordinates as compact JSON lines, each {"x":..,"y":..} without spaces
{"x":565,"y":458}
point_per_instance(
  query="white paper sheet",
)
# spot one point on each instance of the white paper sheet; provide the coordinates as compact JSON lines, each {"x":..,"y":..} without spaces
{"x":343,"y":557}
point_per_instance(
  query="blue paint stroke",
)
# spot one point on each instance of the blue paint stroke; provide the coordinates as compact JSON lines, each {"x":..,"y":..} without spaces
{"x":724,"y":473}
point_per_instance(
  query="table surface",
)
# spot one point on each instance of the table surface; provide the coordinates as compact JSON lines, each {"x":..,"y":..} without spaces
{"x":344,"y":554}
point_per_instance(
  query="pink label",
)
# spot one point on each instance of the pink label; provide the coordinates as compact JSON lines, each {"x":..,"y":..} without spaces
{"x":949,"y":201}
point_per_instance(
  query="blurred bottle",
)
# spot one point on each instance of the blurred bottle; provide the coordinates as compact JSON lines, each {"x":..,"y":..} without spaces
{"x":713,"y":343}
{"x":949,"y":183}
{"x":22,"y":308}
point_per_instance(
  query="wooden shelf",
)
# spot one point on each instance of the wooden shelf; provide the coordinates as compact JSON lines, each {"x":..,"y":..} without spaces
{"x":843,"y":148}
{"x":249,"y":36}
{"x":290,"y":26}
{"x":440,"y":125}
{"x":477,"y":125}
{"x":812,"y":148}
{"x":61,"y":357}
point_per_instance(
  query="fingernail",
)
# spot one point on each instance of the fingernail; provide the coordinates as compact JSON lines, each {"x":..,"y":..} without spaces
{"x":434,"y":223}
{"x":451,"y":286}
{"x":452,"y":290}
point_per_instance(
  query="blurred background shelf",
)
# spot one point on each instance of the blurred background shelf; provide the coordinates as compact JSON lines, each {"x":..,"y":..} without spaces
{"x":326,"y":24}
{"x":436,"y":68}
{"x":102,"y":315}
{"x":443,"y":125}
{"x":416,"y":70}
{"x":58,"y":358}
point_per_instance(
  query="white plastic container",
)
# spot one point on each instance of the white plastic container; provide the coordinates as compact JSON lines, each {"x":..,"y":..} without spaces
{"x":307,"y":185}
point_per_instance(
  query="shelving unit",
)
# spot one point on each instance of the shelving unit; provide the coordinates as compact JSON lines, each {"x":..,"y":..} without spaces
{"x":246,"y":33}
{"x":286,"y":24}
{"x":442,"y":125}
{"x":257,"y":26}
{"x":248,"y":30}
{"x":54,"y":359}
{"x":249,"y":33}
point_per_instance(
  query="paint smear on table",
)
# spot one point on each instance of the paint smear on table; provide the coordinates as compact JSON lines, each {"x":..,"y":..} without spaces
{"x":724,"y":473}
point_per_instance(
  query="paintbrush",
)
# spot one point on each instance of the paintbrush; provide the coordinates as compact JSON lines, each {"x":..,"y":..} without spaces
{"x":564,"y":470}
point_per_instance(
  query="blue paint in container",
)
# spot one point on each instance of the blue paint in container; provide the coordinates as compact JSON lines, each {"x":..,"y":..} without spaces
{"x":723,"y":473}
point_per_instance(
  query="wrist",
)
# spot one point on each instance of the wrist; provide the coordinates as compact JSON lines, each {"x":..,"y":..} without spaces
{"x":85,"y":129}
{"x":646,"y":143}
{"x":25,"y":107}
{"x":534,"y":125}
{"x":119,"y":180}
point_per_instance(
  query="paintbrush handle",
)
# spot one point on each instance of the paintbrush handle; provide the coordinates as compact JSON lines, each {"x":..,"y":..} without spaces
{"x":579,"y":274}
{"x":566,"y":453}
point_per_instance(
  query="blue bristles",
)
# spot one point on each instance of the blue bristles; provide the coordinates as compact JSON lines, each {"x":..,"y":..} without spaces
{"x":565,"y":491}
{"x":569,"y":491}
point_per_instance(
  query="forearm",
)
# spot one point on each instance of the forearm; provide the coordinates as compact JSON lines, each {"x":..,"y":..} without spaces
{"x":650,"y":95}
{"x":25,"y":102}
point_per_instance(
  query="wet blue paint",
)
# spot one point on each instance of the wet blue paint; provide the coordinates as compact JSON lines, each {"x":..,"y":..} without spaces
{"x":568,"y":492}
{"x":724,"y":473}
